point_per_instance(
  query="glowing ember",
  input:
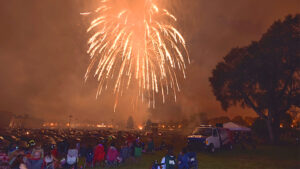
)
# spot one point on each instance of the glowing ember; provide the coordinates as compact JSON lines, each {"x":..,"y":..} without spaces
{"x":134,"y":44}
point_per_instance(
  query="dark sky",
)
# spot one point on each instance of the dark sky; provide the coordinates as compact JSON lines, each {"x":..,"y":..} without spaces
{"x":43,"y":55}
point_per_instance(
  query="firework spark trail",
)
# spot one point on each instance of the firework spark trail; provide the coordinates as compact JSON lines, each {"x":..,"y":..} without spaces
{"x":133,"y":42}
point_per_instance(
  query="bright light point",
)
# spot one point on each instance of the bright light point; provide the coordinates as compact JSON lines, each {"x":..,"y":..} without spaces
{"x":140,"y":127}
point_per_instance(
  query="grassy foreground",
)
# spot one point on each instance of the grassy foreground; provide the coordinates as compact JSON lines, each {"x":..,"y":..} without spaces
{"x":263,"y":157}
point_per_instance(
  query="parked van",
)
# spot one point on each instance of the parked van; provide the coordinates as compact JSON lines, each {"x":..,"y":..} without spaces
{"x":210,"y":138}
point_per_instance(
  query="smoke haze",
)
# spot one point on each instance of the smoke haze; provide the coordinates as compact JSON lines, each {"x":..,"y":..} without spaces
{"x":43,"y":56}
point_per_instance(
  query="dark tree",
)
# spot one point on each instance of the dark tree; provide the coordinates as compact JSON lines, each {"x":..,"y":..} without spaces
{"x":199,"y":118}
{"x":148,"y":125}
{"x":259,"y":126}
{"x":264,"y":76}
{"x":286,"y":120}
{"x":249,"y":120}
{"x":184,"y":122}
{"x":203,"y":117}
{"x":130,"y":123}
{"x":216,"y":120}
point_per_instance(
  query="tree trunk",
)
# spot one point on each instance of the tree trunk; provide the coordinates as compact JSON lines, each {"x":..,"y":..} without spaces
{"x":270,"y":128}
{"x":276,"y":128}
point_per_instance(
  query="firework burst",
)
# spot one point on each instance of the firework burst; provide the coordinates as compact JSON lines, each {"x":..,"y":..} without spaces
{"x":133,"y":43}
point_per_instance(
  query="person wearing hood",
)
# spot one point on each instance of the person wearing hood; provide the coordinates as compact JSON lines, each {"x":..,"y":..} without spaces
{"x":99,"y":154}
{"x":183,"y":159}
{"x":112,"y":154}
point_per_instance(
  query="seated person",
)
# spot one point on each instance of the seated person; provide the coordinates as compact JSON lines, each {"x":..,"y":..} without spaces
{"x":72,"y":157}
{"x":36,"y":159}
{"x":4,"y":160}
{"x":49,"y":160}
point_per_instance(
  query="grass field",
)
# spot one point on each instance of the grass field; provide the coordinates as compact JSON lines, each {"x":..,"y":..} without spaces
{"x":263,"y":157}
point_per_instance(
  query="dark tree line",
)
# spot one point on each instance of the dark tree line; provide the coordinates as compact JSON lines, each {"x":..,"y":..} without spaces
{"x":264,"y":76}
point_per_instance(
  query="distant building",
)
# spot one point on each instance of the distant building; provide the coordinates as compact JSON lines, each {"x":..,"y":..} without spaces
{"x":153,"y":127}
{"x":24,"y":121}
{"x":16,"y":122}
{"x":163,"y":126}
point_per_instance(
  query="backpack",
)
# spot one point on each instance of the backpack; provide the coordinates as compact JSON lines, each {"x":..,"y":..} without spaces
{"x":192,"y":160}
{"x":170,"y":162}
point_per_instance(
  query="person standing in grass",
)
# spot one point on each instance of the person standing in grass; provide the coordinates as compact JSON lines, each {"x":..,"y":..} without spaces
{"x":124,"y":152}
{"x":150,"y":146}
{"x":183,"y":159}
{"x":112,"y":155}
{"x":169,"y":161}
{"x":192,"y":159}
{"x":89,"y":156}
{"x":99,"y":154}
{"x":138,"y":149}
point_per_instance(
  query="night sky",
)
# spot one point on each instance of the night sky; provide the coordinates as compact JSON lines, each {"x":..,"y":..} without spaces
{"x":43,"y":56}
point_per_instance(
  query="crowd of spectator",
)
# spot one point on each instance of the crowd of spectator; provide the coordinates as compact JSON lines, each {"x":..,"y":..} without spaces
{"x":72,"y":149}
{"x":79,"y":149}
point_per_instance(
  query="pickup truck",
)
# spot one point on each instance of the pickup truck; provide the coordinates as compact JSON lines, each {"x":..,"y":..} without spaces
{"x":210,"y":138}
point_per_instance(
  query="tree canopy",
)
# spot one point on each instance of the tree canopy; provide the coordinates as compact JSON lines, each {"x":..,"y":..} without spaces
{"x":264,"y":75}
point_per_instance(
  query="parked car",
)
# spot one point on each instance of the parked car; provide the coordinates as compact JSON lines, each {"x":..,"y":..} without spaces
{"x":210,"y":138}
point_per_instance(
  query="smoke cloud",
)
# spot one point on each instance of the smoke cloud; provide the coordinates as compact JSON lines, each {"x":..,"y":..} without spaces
{"x":43,"y":56}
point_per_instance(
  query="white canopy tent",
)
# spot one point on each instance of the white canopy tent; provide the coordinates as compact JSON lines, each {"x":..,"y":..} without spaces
{"x":235,"y":127}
